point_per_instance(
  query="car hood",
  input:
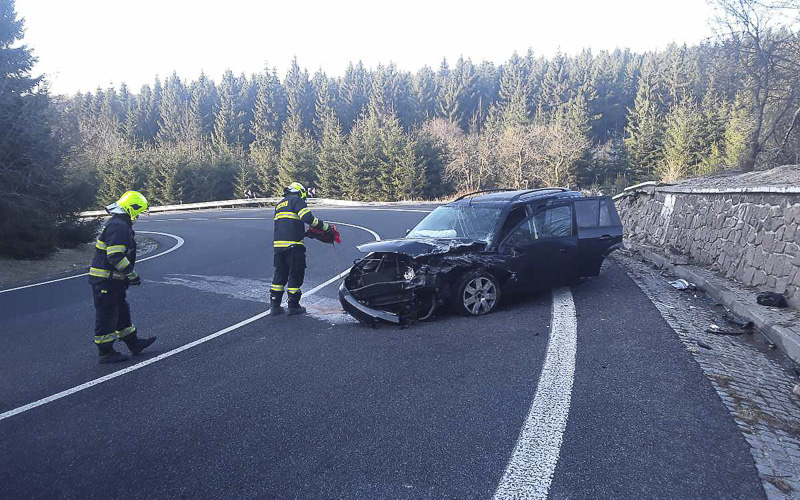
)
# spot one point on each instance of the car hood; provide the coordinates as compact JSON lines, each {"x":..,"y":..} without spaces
{"x":418,"y":247}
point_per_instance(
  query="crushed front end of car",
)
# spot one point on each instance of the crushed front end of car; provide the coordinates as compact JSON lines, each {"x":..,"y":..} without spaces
{"x":404,"y":281}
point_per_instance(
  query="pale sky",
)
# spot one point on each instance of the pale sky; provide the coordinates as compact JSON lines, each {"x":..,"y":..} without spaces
{"x":83,"y":44}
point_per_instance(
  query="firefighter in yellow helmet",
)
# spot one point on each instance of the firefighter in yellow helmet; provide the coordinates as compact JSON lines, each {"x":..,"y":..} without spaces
{"x":291,"y":216}
{"x":110,"y":275}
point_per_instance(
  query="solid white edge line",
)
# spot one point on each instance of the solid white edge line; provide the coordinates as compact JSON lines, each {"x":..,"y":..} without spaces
{"x":179,"y":244}
{"x":167,"y":354}
{"x":370,"y":231}
{"x":530,"y":470}
{"x":129,"y":369}
{"x":169,"y":250}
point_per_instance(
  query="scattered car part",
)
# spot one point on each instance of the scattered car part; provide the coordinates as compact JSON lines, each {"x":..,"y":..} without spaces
{"x":683,"y":285}
{"x":771,"y":299}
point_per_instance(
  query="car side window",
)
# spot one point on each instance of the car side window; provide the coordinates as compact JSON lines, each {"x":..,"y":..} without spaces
{"x":555,"y":222}
{"x":515,"y":216}
{"x":587,"y":212}
{"x":523,"y":235}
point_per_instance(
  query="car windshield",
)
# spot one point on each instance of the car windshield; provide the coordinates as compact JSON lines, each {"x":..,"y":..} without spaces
{"x":458,"y":221}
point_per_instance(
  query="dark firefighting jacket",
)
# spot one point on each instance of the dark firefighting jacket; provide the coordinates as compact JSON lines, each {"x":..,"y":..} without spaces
{"x":115,"y":253}
{"x":291,"y":216}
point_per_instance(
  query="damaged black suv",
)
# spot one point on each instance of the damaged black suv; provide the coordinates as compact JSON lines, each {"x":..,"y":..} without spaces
{"x":470,"y":252}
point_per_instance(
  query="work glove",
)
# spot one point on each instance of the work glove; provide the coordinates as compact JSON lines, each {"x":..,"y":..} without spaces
{"x":133,"y":279}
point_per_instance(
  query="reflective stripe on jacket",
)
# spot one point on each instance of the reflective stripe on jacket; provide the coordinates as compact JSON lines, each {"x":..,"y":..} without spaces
{"x":291,"y":216}
{"x":115,"y":251}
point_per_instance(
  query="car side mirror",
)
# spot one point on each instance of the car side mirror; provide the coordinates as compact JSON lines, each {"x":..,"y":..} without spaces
{"x":407,"y":231}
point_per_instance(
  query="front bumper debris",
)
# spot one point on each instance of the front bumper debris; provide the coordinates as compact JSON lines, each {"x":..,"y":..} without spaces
{"x":364,"y":313}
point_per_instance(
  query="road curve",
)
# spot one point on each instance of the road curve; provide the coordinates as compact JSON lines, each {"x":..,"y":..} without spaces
{"x":320,"y":407}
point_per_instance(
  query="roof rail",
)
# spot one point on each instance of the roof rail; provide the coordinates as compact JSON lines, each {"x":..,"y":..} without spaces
{"x":482,"y":191}
{"x":531,"y":191}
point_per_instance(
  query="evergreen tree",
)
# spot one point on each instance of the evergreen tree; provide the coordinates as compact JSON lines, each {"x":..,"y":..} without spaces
{"x":298,"y":155}
{"x":361,"y":160}
{"x":299,"y":96}
{"x":174,"y":112}
{"x":644,"y":133}
{"x":680,"y":141}
{"x":264,"y":161}
{"x":229,"y":124}
{"x":330,"y":167}
{"x":738,"y":130}
{"x":390,"y":156}
{"x":353,"y":95}
{"x":245,"y":176}
{"x":269,"y":110}
{"x":265,"y":128}
{"x":424,"y":95}
{"x":204,"y":102}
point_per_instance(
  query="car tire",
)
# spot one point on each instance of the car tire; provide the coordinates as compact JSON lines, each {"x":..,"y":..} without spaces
{"x":476,"y":293}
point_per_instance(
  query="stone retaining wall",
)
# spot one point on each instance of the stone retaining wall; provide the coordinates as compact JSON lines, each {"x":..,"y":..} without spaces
{"x":748,"y":233}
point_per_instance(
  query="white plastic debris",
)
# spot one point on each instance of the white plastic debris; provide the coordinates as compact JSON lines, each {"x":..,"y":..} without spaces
{"x":682,"y":285}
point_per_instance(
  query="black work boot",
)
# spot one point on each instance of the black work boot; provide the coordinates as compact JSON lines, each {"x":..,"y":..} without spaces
{"x":135,"y":344}
{"x":108,"y":354}
{"x":275,"y":307}
{"x":294,"y":304}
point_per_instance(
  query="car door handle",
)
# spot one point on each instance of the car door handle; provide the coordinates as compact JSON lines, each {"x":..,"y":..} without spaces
{"x":605,"y":237}
{"x":563,"y":250}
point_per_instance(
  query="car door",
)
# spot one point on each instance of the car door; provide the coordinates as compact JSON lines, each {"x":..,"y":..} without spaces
{"x":599,"y":232}
{"x":543,"y":248}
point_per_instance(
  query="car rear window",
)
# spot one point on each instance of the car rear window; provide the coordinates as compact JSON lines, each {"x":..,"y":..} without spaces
{"x":587,"y":212}
{"x":595,"y":212}
{"x":605,"y":216}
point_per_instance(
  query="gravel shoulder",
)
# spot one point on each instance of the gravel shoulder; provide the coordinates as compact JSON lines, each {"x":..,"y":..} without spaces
{"x":61,"y":263}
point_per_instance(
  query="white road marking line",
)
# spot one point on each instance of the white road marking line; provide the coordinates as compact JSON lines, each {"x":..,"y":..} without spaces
{"x":171,"y":249}
{"x":370,"y":231}
{"x":131,"y":368}
{"x":533,"y":462}
{"x":168,"y":354}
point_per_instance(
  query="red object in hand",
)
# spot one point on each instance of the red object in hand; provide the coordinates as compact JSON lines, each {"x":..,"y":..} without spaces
{"x":330,"y":236}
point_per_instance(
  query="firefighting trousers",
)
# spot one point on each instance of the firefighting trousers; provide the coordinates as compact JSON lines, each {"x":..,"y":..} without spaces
{"x":290,"y":270}
{"x":112,"y":312}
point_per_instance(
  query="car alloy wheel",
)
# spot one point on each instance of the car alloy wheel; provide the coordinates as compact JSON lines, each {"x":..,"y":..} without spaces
{"x":480,"y":295}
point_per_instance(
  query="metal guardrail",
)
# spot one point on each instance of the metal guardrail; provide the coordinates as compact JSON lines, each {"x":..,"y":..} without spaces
{"x":196,"y":206}
{"x":255,"y":202}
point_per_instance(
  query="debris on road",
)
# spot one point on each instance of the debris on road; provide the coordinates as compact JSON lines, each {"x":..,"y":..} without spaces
{"x":717,"y":330}
{"x":758,"y":384}
{"x":683,"y":285}
{"x":735,"y":320}
{"x":702,"y":344}
{"x":771,"y":299}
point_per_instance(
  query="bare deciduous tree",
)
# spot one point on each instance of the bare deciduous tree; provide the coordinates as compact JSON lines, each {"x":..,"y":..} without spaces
{"x":761,"y":38}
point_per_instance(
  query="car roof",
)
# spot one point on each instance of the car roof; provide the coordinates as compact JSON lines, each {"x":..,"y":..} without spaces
{"x":504,"y":197}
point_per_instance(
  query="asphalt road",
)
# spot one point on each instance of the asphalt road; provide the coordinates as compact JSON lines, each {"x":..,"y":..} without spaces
{"x":321,"y":407}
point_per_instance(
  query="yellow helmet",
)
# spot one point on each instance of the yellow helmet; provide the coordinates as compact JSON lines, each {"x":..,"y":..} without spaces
{"x":296,"y":188}
{"x":132,"y":203}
